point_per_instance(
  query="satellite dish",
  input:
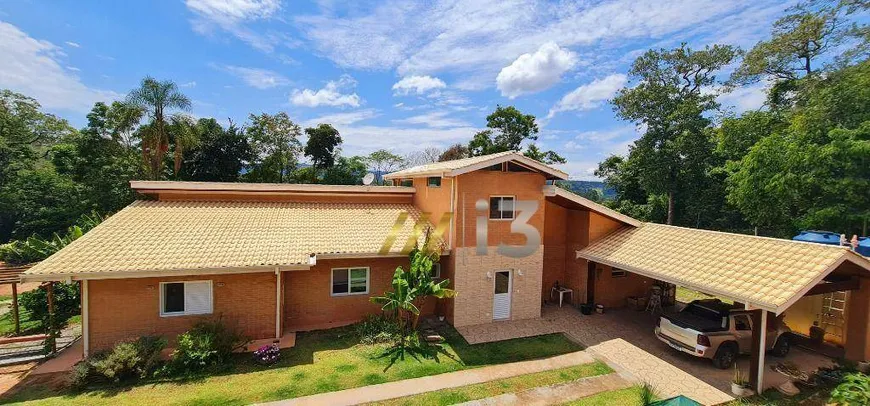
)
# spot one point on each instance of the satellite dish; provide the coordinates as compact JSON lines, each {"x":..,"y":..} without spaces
{"x":368,"y":179}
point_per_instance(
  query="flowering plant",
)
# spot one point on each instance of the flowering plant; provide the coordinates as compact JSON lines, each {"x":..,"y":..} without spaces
{"x":267,"y":354}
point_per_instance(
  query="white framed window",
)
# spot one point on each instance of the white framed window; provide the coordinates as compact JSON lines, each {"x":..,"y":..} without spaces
{"x":349,"y":281}
{"x":436,"y":271}
{"x":186,"y":298}
{"x":433,"y":181}
{"x":501,"y":207}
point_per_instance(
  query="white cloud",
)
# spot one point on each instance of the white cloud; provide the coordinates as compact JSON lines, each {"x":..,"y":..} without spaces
{"x":342,"y":119}
{"x":33,"y":67}
{"x":362,"y":140}
{"x":192,"y":83}
{"x":255,"y":77}
{"x":330,"y":95}
{"x":73,"y":68}
{"x":741,"y":99}
{"x":534,"y":72}
{"x":232,"y":16}
{"x":589,"y":96}
{"x":417,"y":85}
{"x":475,"y":39}
{"x":72,"y":44}
{"x":435,"y":119}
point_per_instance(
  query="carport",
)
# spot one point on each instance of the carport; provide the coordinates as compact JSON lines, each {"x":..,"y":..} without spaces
{"x":768,"y":275}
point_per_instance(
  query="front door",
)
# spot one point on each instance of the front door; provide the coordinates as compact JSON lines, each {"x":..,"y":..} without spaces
{"x":501,"y":302}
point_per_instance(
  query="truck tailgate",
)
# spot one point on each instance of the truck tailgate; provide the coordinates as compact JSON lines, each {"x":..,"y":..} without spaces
{"x":687,"y":336}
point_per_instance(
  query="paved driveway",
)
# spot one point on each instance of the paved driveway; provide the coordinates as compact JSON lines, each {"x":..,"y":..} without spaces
{"x":626,"y":339}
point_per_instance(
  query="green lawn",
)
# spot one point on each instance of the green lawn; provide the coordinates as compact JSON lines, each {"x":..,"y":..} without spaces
{"x":623,"y":397}
{"x":502,"y":386}
{"x":322,"y":361}
{"x":28,"y":325}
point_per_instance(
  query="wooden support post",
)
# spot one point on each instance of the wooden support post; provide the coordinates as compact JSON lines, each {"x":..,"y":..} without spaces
{"x":756,"y":357}
{"x":15,"y":315}
{"x":51,"y":324}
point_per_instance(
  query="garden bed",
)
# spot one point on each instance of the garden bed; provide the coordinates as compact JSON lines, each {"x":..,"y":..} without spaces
{"x":322,"y":361}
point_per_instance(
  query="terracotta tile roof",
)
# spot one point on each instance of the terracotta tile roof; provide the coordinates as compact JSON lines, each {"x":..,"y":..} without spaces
{"x":153,"y":236}
{"x":457,"y":166}
{"x":163,"y":185}
{"x":768,"y":273}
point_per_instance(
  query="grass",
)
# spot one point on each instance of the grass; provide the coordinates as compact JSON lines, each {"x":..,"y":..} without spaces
{"x":772,"y":397}
{"x":322,"y":361}
{"x":686,"y":295}
{"x":28,"y":325}
{"x":626,"y":397}
{"x":502,"y":386}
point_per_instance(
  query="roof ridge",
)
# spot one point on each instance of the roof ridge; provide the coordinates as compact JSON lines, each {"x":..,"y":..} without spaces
{"x":781,"y":240}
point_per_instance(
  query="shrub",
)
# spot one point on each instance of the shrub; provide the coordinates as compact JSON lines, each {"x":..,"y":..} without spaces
{"x":854,"y":390}
{"x":125,"y":361}
{"x":378,"y":329}
{"x":66,"y":302}
{"x":267,"y":354}
{"x":207,"y":344}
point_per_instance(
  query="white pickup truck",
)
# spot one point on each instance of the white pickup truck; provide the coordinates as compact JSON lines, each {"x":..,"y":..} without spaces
{"x":712,"y":329}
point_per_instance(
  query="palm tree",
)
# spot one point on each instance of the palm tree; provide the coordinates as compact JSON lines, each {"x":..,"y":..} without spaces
{"x":185,"y":135}
{"x":155,"y":97}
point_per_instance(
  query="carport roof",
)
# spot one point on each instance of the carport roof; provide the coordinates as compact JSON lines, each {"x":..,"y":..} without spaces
{"x":767,"y":273}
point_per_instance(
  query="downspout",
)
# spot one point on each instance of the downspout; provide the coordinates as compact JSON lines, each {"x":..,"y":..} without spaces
{"x":277,"y":303}
{"x":86,"y":334}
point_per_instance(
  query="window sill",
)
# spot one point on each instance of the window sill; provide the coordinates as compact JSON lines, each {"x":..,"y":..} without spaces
{"x":348,"y":294}
{"x":184,"y":314}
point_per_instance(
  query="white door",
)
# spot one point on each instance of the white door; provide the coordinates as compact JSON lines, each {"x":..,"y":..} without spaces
{"x":501,"y":302}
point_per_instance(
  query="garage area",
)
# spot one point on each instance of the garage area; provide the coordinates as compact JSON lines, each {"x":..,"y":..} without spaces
{"x":764,"y":277}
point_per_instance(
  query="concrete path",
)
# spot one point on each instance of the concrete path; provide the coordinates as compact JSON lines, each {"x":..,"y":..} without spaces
{"x":556,"y":394}
{"x":409,"y":387}
{"x":667,"y":379}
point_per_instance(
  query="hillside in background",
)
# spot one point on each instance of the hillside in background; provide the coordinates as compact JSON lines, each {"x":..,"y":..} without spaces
{"x":584,"y":187}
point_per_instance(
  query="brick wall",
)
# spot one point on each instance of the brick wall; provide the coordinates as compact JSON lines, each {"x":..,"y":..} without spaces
{"x":612,"y":291}
{"x":122,"y":309}
{"x":309,"y":305}
{"x":473,"y":303}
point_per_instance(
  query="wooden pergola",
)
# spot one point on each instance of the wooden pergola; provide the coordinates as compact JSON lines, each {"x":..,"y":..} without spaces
{"x":11,"y":275}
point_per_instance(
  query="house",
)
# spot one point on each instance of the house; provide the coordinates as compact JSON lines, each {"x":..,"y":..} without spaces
{"x":273,"y":259}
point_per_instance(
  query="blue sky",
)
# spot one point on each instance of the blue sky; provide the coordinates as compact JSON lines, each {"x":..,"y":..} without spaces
{"x":390,"y":74}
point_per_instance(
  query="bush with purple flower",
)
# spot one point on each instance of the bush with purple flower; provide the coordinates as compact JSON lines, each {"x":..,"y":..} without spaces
{"x":267,"y":354}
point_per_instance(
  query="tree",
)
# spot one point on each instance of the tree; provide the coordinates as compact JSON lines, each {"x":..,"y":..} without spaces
{"x":411,"y":287}
{"x":549,"y":157}
{"x":667,"y":98}
{"x":185,"y":135}
{"x":346,"y":171}
{"x":797,"y":40}
{"x":382,"y":162}
{"x":322,"y":147}
{"x":34,"y":198}
{"x":508,"y":128}
{"x":815,"y":172}
{"x":156,"y":99}
{"x":454,"y":152}
{"x":422,"y":157}
{"x":98,"y":162}
{"x":275,"y":141}
{"x":122,"y":118}
{"x":221,"y":155}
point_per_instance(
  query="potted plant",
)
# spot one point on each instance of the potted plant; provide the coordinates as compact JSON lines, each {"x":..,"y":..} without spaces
{"x":739,"y":384}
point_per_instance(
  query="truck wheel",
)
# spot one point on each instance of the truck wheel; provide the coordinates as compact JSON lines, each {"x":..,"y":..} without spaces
{"x":782,"y":346}
{"x":725,"y":356}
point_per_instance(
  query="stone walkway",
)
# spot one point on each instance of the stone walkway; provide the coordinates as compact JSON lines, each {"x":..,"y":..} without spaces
{"x":557,"y":394}
{"x":623,"y":339}
{"x":668,"y":380}
{"x":409,"y":387}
